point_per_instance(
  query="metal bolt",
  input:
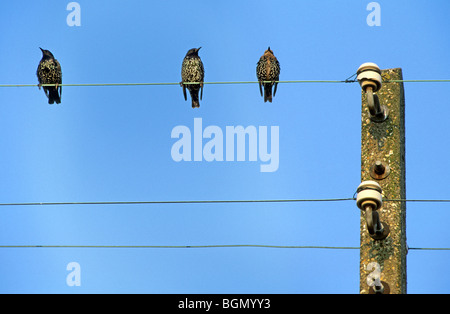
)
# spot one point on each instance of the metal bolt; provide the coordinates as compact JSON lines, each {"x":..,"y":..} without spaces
{"x":378,"y":289}
{"x":379,"y":167}
{"x":379,"y":170}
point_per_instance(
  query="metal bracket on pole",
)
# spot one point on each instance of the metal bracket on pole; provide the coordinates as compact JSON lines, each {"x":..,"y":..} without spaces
{"x":370,"y":200}
{"x":369,"y":77}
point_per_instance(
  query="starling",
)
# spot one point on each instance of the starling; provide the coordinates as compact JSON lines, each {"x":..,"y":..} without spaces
{"x":49,"y":72}
{"x":192,"y":71}
{"x":268,"y":69}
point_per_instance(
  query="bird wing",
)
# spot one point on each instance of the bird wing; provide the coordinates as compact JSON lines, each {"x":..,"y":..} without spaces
{"x":203,"y":77}
{"x":259,"y":70}
{"x":58,"y":68}
{"x":184,"y":91}
{"x":278,"y":69}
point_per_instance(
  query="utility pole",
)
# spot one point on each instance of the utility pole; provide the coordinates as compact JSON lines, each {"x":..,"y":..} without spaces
{"x":383,"y":161}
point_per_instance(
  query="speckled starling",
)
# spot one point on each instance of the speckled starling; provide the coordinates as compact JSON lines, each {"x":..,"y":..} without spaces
{"x":192,"y":71}
{"x":49,"y":72}
{"x":268,"y":69}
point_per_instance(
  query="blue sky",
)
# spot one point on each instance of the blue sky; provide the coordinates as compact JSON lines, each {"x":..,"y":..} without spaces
{"x":114,"y":144}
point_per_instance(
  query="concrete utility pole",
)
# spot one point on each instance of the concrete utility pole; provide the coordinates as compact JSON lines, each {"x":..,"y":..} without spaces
{"x":383,"y":161}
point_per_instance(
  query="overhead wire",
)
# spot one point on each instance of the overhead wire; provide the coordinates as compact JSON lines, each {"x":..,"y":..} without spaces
{"x":223,"y":83}
{"x":349,"y":80}
{"x":204,"y":247}
{"x":178,"y":202}
{"x":182,"y":246}
{"x":207,"y":246}
{"x":214,"y":201}
{"x":173,"y":83}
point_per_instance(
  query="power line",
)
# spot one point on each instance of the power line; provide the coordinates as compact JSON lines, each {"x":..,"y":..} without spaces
{"x":215,"y":202}
{"x":430,"y":248}
{"x":418,"y":200}
{"x":176,"y":83}
{"x":417,"y":81}
{"x":222,"y":83}
{"x":181,"y":246}
{"x":201,"y":247}
{"x":178,"y":202}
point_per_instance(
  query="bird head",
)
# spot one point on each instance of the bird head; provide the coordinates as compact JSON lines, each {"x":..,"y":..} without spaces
{"x":193,"y":52}
{"x":46,"y":54}
{"x":269,"y":50}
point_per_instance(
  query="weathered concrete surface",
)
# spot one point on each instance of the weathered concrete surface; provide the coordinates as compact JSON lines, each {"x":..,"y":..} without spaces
{"x":386,"y":142}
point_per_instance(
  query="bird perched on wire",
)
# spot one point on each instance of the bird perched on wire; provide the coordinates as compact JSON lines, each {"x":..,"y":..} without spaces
{"x":49,"y":72}
{"x":192,"y":70}
{"x":268,"y":69}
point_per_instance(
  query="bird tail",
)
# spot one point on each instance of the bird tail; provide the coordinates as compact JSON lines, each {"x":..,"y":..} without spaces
{"x":268,"y":92}
{"x":53,"y":96}
{"x":195,"y":100}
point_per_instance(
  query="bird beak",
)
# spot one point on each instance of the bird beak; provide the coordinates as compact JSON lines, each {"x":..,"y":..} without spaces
{"x":199,"y":48}
{"x":41,"y":49}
